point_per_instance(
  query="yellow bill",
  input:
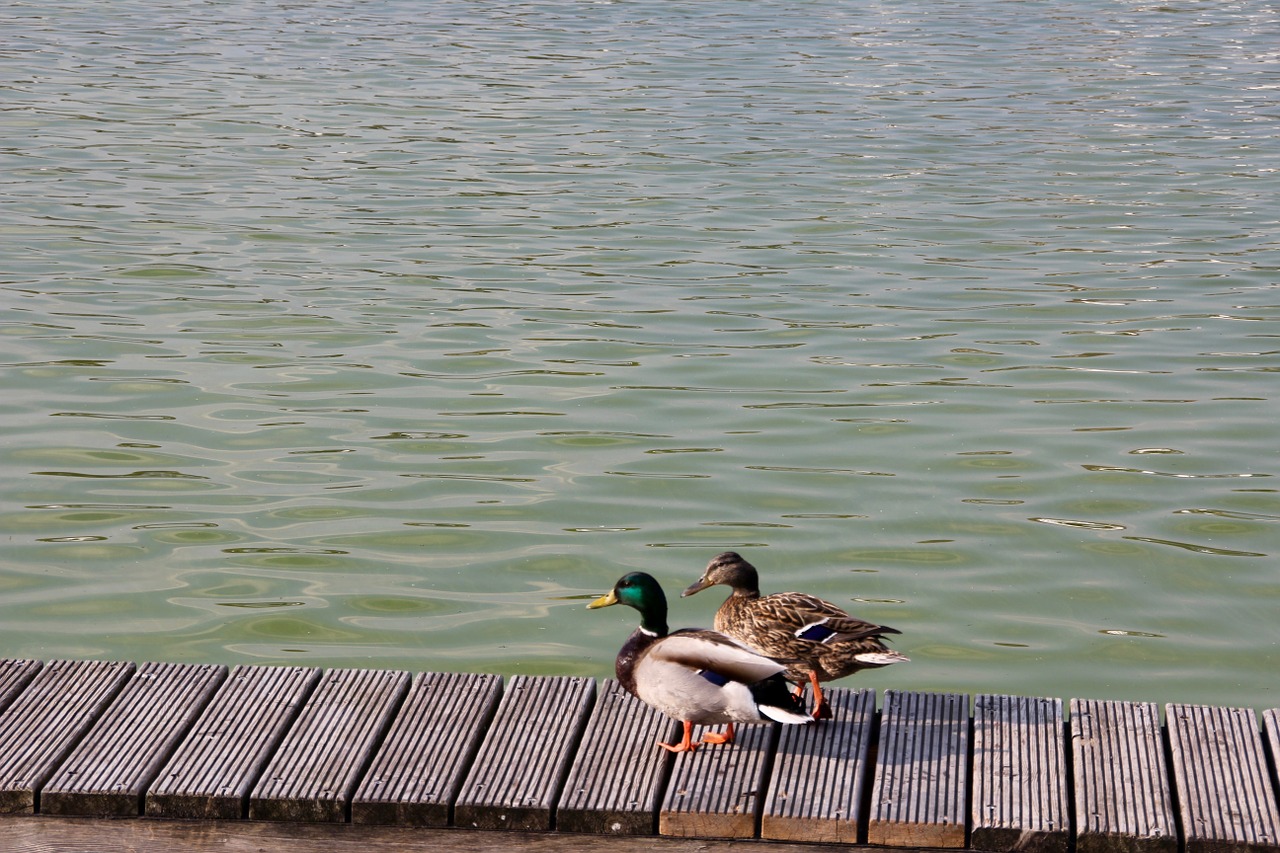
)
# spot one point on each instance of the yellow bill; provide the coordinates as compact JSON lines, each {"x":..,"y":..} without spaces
{"x":603,"y":601}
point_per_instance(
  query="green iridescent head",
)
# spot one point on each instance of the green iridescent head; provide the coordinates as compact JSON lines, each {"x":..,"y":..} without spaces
{"x":643,"y":592}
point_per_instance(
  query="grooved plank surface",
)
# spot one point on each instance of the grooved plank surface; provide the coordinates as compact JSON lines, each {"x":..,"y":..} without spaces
{"x":517,"y":773}
{"x":418,"y":771}
{"x":1224,"y":790}
{"x":1019,"y":768}
{"x":819,"y":775}
{"x":46,"y":720}
{"x":210,"y":773}
{"x":295,"y":744}
{"x":615,"y":783}
{"x":14,"y":676}
{"x":1271,"y":731}
{"x":313,"y":774}
{"x":921,"y":785}
{"x":716,"y":791}
{"x":106,"y":774}
{"x":1123,"y":802}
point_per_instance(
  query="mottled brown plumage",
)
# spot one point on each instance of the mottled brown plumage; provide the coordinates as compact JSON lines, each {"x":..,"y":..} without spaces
{"x":815,"y":639}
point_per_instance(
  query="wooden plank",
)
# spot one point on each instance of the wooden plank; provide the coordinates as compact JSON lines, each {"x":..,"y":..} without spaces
{"x":417,"y":773}
{"x":213,"y":769}
{"x":107,"y":772}
{"x":716,"y":792}
{"x":615,"y":783}
{"x":314,"y":773}
{"x":820,"y":774}
{"x":1225,"y":799}
{"x":1123,"y":803}
{"x":14,"y":676}
{"x":1271,"y":731}
{"x":1019,"y":775}
{"x":922,"y":771}
{"x":46,"y":720}
{"x":40,"y":834}
{"x":521,"y":765}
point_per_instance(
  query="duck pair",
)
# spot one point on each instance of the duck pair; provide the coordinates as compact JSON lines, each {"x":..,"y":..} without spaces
{"x":742,"y":671}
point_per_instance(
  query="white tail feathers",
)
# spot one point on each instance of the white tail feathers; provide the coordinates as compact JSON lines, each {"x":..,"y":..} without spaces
{"x":882,"y":658}
{"x":782,"y":715}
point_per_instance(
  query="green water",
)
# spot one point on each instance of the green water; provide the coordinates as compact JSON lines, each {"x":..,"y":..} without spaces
{"x":388,"y":334}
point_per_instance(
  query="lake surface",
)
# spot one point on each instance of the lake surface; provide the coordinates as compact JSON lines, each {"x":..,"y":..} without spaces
{"x":389,"y":333}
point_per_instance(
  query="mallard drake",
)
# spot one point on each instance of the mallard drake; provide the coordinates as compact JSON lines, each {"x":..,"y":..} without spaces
{"x":817,"y":640}
{"x":695,"y":675}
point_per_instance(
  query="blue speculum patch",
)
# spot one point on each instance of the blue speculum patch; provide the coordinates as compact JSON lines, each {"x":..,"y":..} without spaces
{"x":816,"y":633}
{"x":714,"y":677}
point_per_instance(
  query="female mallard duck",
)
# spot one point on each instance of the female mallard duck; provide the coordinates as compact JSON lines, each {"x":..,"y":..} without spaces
{"x":817,"y":640}
{"x":695,"y":675}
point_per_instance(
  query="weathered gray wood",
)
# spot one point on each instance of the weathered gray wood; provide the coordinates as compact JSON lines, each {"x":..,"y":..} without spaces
{"x":212,"y":770}
{"x":39,"y":834}
{"x":1019,"y":776}
{"x":820,"y":774}
{"x":67,"y":721}
{"x":521,"y":765}
{"x":1271,"y":731}
{"x":615,"y":783}
{"x":315,"y":771}
{"x":1123,"y":800}
{"x":1225,"y":798}
{"x":716,"y":791}
{"x":46,"y":720}
{"x":14,"y":676}
{"x":418,"y":771}
{"x":106,"y":773}
{"x":922,"y":771}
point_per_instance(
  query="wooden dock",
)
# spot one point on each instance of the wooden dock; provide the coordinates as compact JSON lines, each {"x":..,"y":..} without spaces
{"x":201,"y":757}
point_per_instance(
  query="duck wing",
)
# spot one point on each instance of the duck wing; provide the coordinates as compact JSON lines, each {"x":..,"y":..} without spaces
{"x":711,"y":651}
{"x":850,"y":629}
{"x":776,"y":622}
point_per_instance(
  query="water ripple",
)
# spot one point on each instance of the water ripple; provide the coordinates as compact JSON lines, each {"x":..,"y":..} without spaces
{"x":342,"y":333}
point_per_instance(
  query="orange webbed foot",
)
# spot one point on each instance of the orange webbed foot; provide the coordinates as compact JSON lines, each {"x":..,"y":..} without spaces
{"x":718,"y":737}
{"x":677,"y":747}
{"x":685,"y":745}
